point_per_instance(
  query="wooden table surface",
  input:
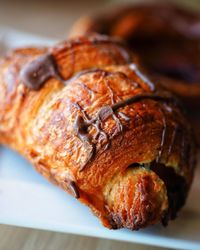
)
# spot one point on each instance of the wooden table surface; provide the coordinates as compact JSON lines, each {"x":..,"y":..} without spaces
{"x":13,"y":238}
{"x":53,"y":20}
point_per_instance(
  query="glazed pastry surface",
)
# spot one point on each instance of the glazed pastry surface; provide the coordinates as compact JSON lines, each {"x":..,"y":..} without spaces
{"x":91,"y":122}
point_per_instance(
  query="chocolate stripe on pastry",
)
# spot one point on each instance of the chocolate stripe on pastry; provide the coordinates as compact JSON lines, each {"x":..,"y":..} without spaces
{"x":37,"y":72}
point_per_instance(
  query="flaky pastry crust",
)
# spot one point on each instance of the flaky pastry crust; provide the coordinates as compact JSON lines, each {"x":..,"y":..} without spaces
{"x":87,"y":118}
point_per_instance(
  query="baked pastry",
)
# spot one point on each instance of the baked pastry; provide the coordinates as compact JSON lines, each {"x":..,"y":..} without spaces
{"x":87,"y":118}
{"x":166,"y":39}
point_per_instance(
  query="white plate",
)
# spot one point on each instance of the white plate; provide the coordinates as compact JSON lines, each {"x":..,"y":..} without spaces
{"x":27,"y":200}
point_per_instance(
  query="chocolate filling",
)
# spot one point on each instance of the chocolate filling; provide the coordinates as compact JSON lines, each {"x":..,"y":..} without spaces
{"x":176,"y":189}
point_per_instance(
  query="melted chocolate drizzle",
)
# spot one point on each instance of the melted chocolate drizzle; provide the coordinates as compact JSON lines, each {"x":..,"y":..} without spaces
{"x":83,"y":72}
{"x":140,"y":97}
{"x":150,"y":84}
{"x":37,"y":72}
{"x":162,"y":143}
{"x":81,"y":128}
{"x":82,"y":123}
{"x":74,"y":189}
{"x":70,"y":186}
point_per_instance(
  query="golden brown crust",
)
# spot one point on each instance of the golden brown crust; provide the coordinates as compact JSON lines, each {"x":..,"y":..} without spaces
{"x":166,"y":39}
{"x":142,"y":195}
{"x":79,"y":133}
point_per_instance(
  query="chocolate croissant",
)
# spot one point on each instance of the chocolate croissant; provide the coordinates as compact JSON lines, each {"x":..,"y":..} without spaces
{"x":166,"y":39}
{"x":89,"y":121}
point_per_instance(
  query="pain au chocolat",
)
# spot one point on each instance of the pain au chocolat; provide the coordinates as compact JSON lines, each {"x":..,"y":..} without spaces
{"x":89,"y":121}
{"x":166,"y":39}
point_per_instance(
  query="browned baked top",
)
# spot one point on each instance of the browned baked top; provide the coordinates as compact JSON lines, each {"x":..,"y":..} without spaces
{"x":91,"y":122}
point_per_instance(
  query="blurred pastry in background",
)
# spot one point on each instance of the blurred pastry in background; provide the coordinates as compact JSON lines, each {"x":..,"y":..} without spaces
{"x":166,"y":39}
